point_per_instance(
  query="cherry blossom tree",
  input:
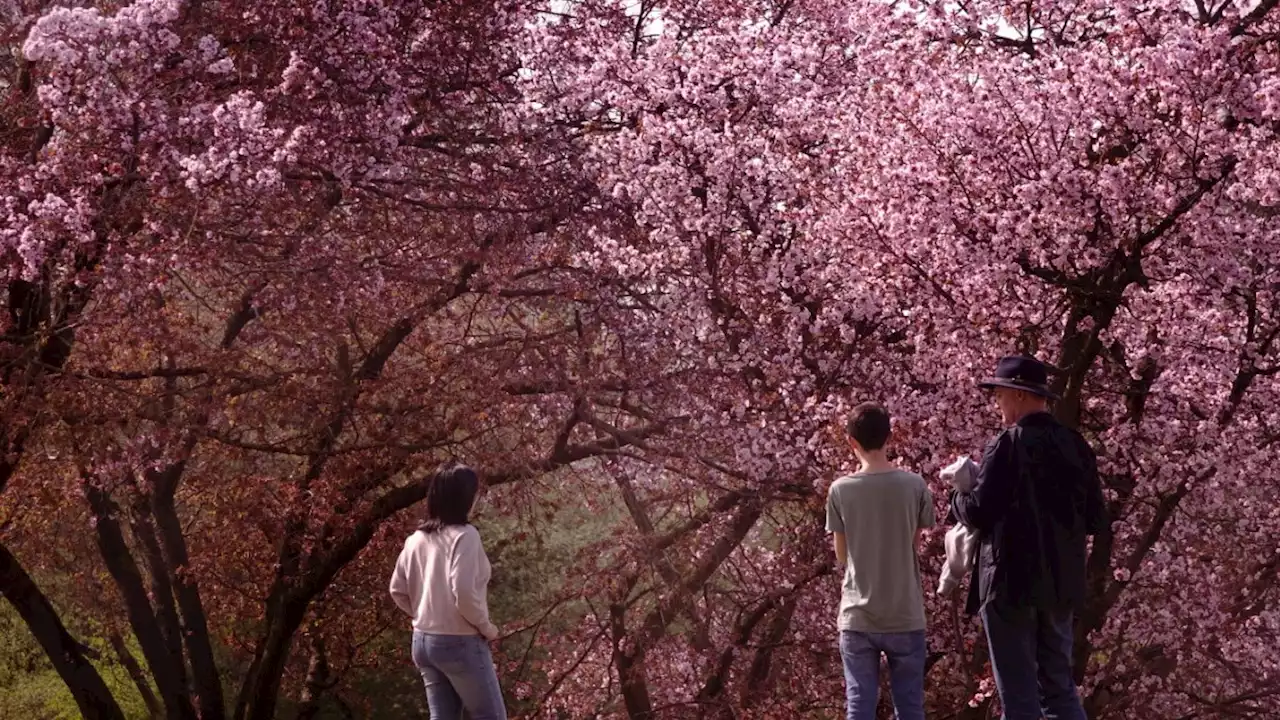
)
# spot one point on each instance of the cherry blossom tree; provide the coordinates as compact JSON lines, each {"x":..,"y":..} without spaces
{"x":268,"y":263}
{"x":956,"y":181}
{"x":273,"y":261}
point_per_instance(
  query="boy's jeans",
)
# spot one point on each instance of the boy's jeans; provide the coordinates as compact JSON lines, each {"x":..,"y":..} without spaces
{"x":861,"y":653}
{"x":1031,"y":659}
{"x":458,"y":672}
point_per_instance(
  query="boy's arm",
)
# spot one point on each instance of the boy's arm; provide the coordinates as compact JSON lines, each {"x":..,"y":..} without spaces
{"x":926,"y":515}
{"x":835,"y":526}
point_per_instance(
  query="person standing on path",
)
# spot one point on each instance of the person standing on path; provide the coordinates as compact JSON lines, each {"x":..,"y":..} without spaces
{"x":1036,"y":499}
{"x":876,"y":516}
{"x":441,"y":581}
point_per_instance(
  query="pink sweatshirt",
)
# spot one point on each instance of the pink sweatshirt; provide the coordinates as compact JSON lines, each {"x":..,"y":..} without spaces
{"x":441,"y":581}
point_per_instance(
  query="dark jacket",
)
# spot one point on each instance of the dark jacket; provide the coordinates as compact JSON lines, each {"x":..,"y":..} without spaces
{"x":1036,"y":499}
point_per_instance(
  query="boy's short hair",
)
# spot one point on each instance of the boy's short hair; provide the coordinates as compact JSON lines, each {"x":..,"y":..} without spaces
{"x":868,"y":424}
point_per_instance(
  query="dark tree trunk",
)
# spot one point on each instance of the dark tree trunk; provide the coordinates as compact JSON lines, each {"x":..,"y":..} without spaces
{"x":139,"y":677}
{"x":166,"y":612}
{"x":123,"y":569}
{"x":316,"y":683}
{"x":195,"y":626}
{"x":87,"y":687}
{"x":261,"y":687}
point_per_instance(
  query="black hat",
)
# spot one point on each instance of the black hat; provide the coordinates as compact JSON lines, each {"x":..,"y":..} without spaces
{"x":1019,"y":372}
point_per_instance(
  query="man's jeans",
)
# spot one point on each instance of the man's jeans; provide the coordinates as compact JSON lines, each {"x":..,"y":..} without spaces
{"x":861,"y":653}
{"x":1031,"y":658}
{"x":458,"y":672}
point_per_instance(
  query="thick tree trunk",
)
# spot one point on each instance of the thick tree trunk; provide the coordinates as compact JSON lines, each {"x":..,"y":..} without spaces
{"x":759,"y":682}
{"x":711,"y":700}
{"x":166,"y":611}
{"x":258,"y":694}
{"x":316,"y":683}
{"x":31,"y":307}
{"x":1098,"y":302}
{"x":123,"y":569}
{"x":87,"y":687}
{"x":204,"y":669}
{"x":628,"y":657}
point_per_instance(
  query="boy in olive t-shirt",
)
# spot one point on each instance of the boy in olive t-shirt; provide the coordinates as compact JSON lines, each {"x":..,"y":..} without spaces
{"x":876,"y":516}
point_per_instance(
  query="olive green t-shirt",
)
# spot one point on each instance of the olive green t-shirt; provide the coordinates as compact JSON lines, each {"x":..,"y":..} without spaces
{"x":879,"y":514}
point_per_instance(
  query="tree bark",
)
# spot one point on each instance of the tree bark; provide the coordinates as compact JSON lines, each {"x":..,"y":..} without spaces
{"x":629,"y":659}
{"x":1096,"y":298}
{"x":166,"y":612}
{"x":123,"y":569}
{"x":316,"y":683}
{"x":710,"y":699}
{"x":51,"y":335}
{"x":195,"y":625}
{"x":630,"y":648}
{"x":87,"y":687}
{"x":760,"y":678}
{"x":140,"y":681}
{"x":258,"y":694}
{"x":285,"y":610}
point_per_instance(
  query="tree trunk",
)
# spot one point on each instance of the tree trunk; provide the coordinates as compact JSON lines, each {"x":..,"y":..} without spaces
{"x":166,"y":611}
{"x":204,"y":670}
{"x":258,"y":694}
{"x":760,"y":679}
{"x":119,"y":562}
{"x":87,"y":687}
{"x":317,"y":681}
{"x":628,"y":657}
{"x":136,"y":674}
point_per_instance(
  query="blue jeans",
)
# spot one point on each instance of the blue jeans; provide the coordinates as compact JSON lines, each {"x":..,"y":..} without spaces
{"x":1031,"y":659}
{"x":458,"y":672}
{"x":861,"y":653}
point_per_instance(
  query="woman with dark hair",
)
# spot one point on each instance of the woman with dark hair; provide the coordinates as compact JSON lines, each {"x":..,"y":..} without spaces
{"x":440,"y":581}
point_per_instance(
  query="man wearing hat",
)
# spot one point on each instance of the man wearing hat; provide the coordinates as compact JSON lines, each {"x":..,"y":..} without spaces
{"x":1036,"y":498}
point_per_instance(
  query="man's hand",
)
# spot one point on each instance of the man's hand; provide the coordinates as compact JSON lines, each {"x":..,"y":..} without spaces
{"x":960,"y":474}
